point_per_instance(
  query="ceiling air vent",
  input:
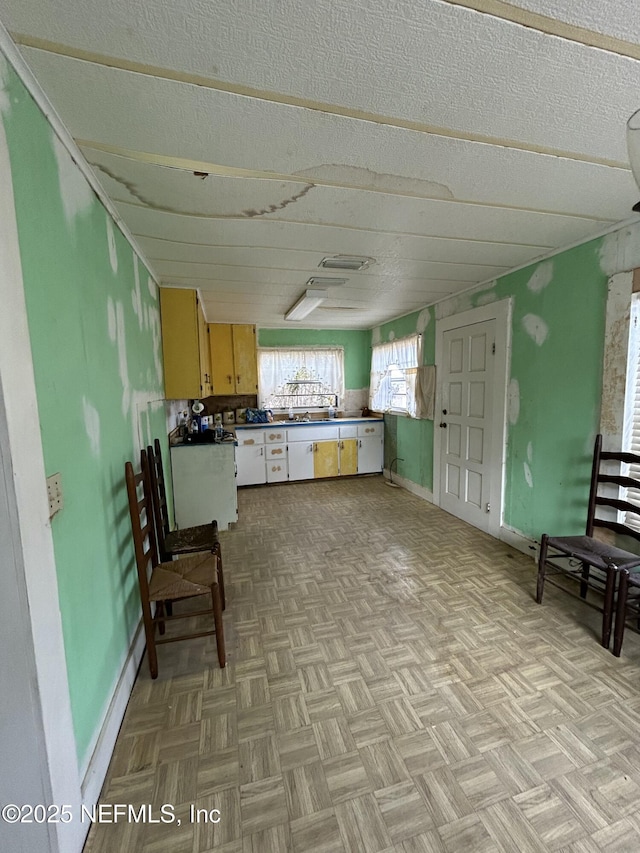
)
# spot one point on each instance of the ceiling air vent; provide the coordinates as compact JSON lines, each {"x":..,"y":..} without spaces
{"x":346,"y":262}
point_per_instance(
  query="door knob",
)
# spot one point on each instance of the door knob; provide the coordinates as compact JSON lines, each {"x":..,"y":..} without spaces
{"x":443,"y":426}
{"x":444,"y":411}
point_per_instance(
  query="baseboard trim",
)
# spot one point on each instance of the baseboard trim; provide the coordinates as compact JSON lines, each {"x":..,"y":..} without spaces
{"x":96,"y":771}
{"x":410,"y":486}
{"x":518,"y":541}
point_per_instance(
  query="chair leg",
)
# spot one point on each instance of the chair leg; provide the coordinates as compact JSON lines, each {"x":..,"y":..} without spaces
{"x":607,"y":610}
{"x":218,"y":551}
{"x":584,"y":583}
{"x":150,"y":634}
{"x":542,"y":560}
{"x":160,"y":609}
{"x":621,"y":612}
{"x":217,"y":619}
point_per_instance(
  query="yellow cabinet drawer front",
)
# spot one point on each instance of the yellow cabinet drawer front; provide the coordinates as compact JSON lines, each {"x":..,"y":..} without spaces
{"x":221,"y":349}
{"x":245,"y":359}
{"x":180,"y":343}
{"x":348,"y":456}
{"x":325,"y":459}
{"x":370,"y":429}
{"x":275,"y":436}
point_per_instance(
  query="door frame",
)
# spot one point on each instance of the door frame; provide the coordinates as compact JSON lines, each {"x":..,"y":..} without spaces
{"x":501,"y":313}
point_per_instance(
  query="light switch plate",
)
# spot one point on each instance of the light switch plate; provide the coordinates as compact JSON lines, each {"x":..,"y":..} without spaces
{"x":54,"y":491}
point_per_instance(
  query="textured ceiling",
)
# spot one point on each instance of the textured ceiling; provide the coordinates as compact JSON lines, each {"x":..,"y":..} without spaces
{"x":451,"y":141}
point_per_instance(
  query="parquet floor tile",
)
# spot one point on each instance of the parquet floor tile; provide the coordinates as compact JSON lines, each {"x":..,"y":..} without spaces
{"x":391,"y":687}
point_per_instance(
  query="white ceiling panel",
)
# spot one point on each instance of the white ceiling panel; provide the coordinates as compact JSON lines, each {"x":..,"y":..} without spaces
{"x":448,"y":143}
{"x":148,"y":115}
{"x":616,"y":18}
{"x":432,"y":62}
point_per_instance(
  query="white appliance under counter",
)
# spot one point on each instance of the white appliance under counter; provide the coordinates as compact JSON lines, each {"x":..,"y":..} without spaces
{"x":204,"y":484}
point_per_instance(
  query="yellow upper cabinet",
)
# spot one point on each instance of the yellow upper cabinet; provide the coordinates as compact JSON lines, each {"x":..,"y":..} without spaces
{"x":185,"y":348}
{"x":234,"y":365}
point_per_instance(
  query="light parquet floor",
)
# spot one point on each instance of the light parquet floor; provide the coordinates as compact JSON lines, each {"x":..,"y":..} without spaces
{"x":391,"y":686}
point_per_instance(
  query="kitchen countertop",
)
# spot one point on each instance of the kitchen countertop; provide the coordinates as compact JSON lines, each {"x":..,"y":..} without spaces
{"x":319,"y":422}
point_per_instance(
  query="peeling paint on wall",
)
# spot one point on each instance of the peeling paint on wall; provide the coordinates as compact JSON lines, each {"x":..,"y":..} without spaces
{"x":536,"y":328}
{"x":75,"y":192}
{"x":513,"y":402}
{"x":541,"y":277}
{"x":92,"y":426}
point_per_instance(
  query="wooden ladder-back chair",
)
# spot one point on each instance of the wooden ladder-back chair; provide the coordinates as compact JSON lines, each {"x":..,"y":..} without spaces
{"x":190,"y":540}
{"x":594,"y":563}
{"x":163,"y":583}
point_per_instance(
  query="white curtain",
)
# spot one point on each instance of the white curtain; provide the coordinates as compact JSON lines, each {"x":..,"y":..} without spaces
{"x":388,"y":361}
{"x":322,"y":368}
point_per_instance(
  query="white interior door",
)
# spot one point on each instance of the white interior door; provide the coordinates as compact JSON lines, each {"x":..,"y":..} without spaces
{"x":465,"y":422}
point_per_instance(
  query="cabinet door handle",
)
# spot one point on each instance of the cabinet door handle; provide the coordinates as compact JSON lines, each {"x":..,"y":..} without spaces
{"x":238,"y":379}
{"x":262,"y":451}
{"x":229,"y":378}
{"x":360,"y":443}
{"x":315,"y":448}
{"x":342,"y":445}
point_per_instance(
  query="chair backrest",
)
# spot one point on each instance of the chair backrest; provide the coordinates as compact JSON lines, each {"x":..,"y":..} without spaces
{"x":159,"y":494}
{"x":141,"y":521}
{"x":600,"y":477}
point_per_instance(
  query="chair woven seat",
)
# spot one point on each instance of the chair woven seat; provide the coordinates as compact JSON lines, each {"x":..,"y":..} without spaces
{"x":598,"y":554}
{"x":181,"y":578}
{"x":204,"y":537}
{"x":595,"y":564}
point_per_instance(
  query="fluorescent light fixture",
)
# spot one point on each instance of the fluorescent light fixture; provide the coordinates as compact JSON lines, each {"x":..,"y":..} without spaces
{"x":315,"y":281}
{"x":306,"y":304}
{"x":346,"y":262}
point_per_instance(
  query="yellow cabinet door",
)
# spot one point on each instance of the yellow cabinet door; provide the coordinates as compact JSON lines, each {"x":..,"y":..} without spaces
{"x":325,"y":459}
{"x":245,"y":359}
{"x":221,"y":349}
{"x":180,"y":344}
{"x":348,"y":456}
{"x":205,"y":358}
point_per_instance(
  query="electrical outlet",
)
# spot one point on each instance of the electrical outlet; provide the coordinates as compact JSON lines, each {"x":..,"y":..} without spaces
{"x":54,"y":492}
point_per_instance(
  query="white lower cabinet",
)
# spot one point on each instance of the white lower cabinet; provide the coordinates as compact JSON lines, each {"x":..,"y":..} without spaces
{"x":277,"y":470}
{"x":300,"y":460}
{"x":273,"y":453}
{"x":370,"y":448}
{"x":250,"y":457}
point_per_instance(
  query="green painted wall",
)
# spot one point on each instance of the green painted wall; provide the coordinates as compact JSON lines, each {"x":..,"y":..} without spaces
{"x":356,"y":343}
{"x":95,"y":333}
{"x":554,"y":391}
{"x":408,"y":443}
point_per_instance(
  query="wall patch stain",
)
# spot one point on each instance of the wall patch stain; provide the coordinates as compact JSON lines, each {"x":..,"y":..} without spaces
{"x":111,"y":242}
{"x":153,"y":289}
{"x":486,"y":298}
{"x":136,"y":295}
{"x":375,"y":335}
{"x":424,"y":318}
{"x":536,"y":328}
{"x":530,"y":452}
{"x":5,"y":103}
{"x":528,"y":475}
{"x":112,"y":322}
{"x":541,"y":277}
{"x":392,"y":335}
{"x":513,"y":402}
{"x":75,"y":191}
{"x":366,"y":179}
{"x":281,"y":205}
{"x":92,"y":426}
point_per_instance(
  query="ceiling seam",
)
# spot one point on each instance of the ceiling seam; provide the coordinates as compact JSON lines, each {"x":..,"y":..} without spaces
{"x":395,"y":233}
{"x":295,"y":101}
{"x":238,"y":217}
{"x":215,"y":170}
{"x":550,"y":26}
{"x":360,"y":275}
